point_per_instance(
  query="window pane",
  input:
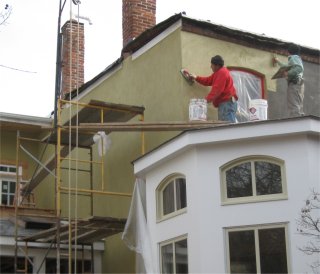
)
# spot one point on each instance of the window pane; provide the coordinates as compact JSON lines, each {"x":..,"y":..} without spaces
{"x":273,"y":256}
{"x":12,"y":187}
{"x":181,"y":256}
{"x":181,"y":193}
{"x":3,"y":168}
{"x":167,"y":258}
{"x":5,"y":186}
{"x":239,"y":181}
{"x":12,"y":169}
{"x":7,"y":264}
{"x":4,"y":199}
{"x":242,"y":252}
{"x":168,"y":199}
{"x":11,"y":198}
{"x":268,"y":178}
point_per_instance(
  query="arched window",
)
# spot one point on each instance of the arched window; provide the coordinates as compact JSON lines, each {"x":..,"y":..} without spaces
{"x":171,"y":196}
{"x":253,"y":178}
{"x":250,"y":85}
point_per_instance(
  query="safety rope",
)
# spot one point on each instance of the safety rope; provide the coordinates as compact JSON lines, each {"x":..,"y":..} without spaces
{"x":77,"y":142}
{"x":70,"y":149}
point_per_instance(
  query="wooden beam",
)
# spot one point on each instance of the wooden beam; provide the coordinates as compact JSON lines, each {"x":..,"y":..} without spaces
{"x":147,"y":126}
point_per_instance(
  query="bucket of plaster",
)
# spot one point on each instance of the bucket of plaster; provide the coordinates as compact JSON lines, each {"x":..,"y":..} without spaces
{"x":198,"y":110}
{"x":258,"y":109}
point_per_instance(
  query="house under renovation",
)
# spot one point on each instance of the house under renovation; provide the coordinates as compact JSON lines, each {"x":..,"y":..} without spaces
{"x":67,"y":181}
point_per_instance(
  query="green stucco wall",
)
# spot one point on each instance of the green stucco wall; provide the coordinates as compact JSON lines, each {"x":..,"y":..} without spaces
{"x":8,"y":148}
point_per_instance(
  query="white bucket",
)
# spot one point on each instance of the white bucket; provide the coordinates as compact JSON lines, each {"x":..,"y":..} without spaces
{"x":198,"y":110}
{"x":258,"y":109}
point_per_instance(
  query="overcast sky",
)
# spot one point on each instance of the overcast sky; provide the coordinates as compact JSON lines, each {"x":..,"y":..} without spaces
{"x":28,"y":38}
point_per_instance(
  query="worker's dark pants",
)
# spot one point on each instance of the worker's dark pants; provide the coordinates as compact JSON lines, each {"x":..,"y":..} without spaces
{"x":295,"y":95}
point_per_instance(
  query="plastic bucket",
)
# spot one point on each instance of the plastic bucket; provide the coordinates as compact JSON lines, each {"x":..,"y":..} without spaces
{"x":198,"y":110}
{"x":258,"y":109}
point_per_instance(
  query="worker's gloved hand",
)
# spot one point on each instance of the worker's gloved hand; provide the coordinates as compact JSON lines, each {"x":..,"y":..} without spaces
{"x":188,"y":76}
{"x":192,"y":76}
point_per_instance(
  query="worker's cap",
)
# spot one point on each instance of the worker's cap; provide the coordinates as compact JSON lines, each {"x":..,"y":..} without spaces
{"x":217,"y":60}
{"x":294,"y":49}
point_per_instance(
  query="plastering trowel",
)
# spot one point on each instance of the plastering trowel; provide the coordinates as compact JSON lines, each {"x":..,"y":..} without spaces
{"x":186,"y":75}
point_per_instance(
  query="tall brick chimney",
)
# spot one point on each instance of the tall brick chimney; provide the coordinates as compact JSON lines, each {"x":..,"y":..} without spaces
{"x":137,"y":16}
{"x":75,"y":58}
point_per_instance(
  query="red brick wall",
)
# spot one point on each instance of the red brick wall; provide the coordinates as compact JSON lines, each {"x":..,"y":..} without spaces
{"x":72,"y":60}
{"x":137,"y":16}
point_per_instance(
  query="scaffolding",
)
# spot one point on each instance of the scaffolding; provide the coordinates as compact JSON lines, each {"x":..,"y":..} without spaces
{"x":62,"y":231}
{"x":92,"y":117}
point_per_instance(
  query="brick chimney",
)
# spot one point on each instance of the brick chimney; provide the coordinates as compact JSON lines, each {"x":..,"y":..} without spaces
{"x":75,"y":58}
{"x":137,"y":16}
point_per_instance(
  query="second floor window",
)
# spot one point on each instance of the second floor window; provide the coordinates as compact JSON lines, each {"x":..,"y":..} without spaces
{"x":250,"y":85}
{"x":8,"y":189}
{"x":172,"y":197}
{"x":253,"y":178}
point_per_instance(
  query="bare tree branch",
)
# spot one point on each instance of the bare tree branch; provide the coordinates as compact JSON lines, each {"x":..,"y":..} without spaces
{"x":5,"y":14}
{"x":308,"y":225}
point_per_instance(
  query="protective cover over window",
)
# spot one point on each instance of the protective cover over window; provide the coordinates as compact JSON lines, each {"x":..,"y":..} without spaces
{"x":249,"y":87}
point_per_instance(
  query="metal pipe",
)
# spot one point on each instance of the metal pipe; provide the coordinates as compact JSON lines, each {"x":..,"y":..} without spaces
{"x":16,"y":204}
{"x":58,"y":68}
{"x":58,"y":185}
{"x":36,"y":160}
{"x":81,"y":161}
{"x":142,"y":136}
{"x":91,"y":180}
{"x":96,"y":191}
{"x":30,"y":139}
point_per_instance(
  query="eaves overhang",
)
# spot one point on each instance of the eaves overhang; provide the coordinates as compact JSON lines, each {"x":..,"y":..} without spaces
{"x":11,"y":121}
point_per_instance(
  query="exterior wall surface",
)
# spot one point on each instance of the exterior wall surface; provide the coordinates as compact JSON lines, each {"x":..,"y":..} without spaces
{"x":206,"y":218}
{"x":8,"y":149}
{"x":278,"y":100}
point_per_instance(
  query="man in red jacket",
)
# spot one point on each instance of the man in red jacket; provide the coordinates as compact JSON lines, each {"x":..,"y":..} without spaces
{"x":223,"y":95}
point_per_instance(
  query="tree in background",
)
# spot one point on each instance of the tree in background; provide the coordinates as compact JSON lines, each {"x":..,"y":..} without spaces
{"x":309,"y":226}
{"x":5,"y":14}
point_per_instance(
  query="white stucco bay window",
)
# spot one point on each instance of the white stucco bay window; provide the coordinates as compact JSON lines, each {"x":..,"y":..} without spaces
{"x":174,"y":256}
{"x":171,"y":197}
{"x":253,"y":178}
{"x":258,"y":249}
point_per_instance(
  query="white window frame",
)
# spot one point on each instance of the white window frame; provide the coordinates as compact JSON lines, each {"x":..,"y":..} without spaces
{"x":172,"y":241}
{"x":8,"y":172}
{"x":9,"y":176}
{"x":254,"y":198}
{"x":159,"y":198}
{"x":256,"y":228}
{"x":8,"y":194}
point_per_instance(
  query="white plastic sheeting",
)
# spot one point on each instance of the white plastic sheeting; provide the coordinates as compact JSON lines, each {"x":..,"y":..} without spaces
{"x":103,"y":141}
{"x":248,"y":88}
{"x":136,"y":233}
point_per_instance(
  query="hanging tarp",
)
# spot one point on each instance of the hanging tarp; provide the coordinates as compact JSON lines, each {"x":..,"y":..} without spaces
{"x":136,"y":233}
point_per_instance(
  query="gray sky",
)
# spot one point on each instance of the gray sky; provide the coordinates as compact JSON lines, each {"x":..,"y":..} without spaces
{"x":28,"y":39}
